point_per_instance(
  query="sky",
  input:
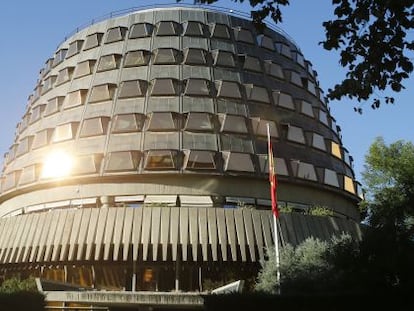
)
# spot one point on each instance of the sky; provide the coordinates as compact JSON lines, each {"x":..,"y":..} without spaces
{"x":30,"y":32}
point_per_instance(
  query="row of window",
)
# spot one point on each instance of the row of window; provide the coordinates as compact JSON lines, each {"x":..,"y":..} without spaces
{"x":194,"y":136}
{"x":170,"y":28}
{"x":199,"y":160}
{"x":168,"y":56}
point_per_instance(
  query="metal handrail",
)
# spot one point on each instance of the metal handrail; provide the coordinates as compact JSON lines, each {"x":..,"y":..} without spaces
{"x":270,"y":24}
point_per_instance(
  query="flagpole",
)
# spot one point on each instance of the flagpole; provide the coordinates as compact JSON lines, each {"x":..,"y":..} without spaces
{"x":275,"y":226}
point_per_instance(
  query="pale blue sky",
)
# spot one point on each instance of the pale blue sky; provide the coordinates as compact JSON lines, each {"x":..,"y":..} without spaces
{"x":31,"y":30}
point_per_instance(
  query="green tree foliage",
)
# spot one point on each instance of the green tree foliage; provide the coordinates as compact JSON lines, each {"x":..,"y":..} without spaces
{"x":371,"y":38}
{"x":389,"y":242}
{"x":313,"y":266}
{"x":14,"y":285}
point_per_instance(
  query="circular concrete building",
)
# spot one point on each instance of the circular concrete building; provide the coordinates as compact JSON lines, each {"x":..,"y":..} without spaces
{"x":141,"y":160}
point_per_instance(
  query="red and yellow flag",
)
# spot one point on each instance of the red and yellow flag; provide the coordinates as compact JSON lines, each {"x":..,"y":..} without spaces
{"x":272,"y":178}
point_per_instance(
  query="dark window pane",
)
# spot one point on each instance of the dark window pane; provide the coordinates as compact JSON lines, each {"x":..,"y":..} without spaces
{"x":93,"y":40}
{"x":164,"y":87}
{"x":133,"y":88}
{"x":74,"y":48}
{"x":166,"y":56}
{"x":116,"y":34}
{"x":122,"y":161}
{"x":137,"y":58}
{"x":76,"y":98}
{"x":250,"y":63}
{"x":109,"y":62}
{"x":234,"y":161}
{"x":223,"y":58}
{"x":163,"y":121}
{"x":195,"y":56}
{"x":94,"y":126}
{"x":140,"y":30}
{"x":220,"y":31}
{"x":84,"y":68}
{"x":102,"y":92}
{"x":168,"y":28}
{"x":192,"y":28}
{"x":199,"y":121}
{"x":197,"y":87}
{"x":124,"y":123}
{"x":243,"y":35}
{"x":161,"y":159}
{"x":200,"y":160}
{"x":228,"y":89}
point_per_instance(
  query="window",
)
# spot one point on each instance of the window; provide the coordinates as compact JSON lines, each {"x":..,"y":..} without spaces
{"x":195,"y":56}
{"x":124,"y":123}
{"x":228,"y":89}
{"x":303,"y":170}
{"x":223,"y":58}
{"x":336,"y":150}
{"x":164,"y":87}
{"x":347,"y":157}
{"x":280,"y":163}
{"x":140,"y":30}
{"x":234,"y":161}
{"x":296,"y":79}
{"x":234,"y":143}
{"x":74,"y":48}
{"x":200,"y":160}
{"x":166,"y":56}
{"x":29,"y":174}
{"x":75,"y":98}
{"x":243,"y":35}
{"x":36,"y":113}
{"x":349,"y":184}
{"x":53,"y":105}
{"x":133,"y":88}
{"x":109,"y":62}
{"x":24,"y":146}
{"x":137,"y":58}
{"x":299,"y":58}
{"x":259,"y":127}
{"x":232,"y":124}
{"x":59,"y":57}
{"x":283,"y":49}
{"x":94,"y":127}
{"x":65,"y":132}
{"x":220,"y":31}
{"x":123,"y":161}
{"x":168,"y":28}
{"x":311,"y":87}
{"x":163,"y":121}
{"x":331,"y":178}
{"x":84,"y":68}
{"x":161,"y":159}
{"x":93,"y":40}
{"x":64,"y":75}
{"x":257,"y":93}
{"x":116,"y":34}
{"x":87,"y":164}
{"x":306,"y":108}
{"x":192,"y":28}
{"x":318,"y":142}
{"x":250,"y":63}
{"x":199,"y":121}
{"x":42,"y":138}
{"x":203,"y":141}
{"x":283,"y":100}
{"x":102,"y":92}
{"x":323,"y":117}
{"x":48,"y":84}
{"x":295,"y":134}
{"x":197,"y":87}
{"x":265,"y":42}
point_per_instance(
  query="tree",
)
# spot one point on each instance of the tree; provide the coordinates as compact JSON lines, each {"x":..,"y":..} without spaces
{"x":389,"y":178}
{"x":371,"y":37}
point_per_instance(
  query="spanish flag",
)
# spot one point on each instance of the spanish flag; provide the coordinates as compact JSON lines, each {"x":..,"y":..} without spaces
{"x":272,"y":175}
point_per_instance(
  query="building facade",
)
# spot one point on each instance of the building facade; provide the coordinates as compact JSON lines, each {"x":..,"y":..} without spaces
{"x":141,"y":160}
